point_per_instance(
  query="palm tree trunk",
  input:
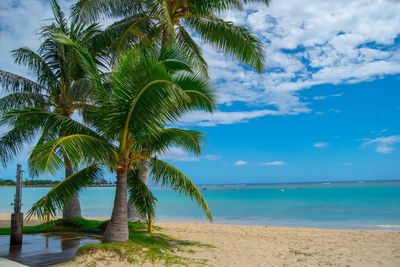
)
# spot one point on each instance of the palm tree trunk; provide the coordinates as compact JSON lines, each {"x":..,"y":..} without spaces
{"x":144,"y":168}
{"x":117,"y":228}
{"x":73,"y":207}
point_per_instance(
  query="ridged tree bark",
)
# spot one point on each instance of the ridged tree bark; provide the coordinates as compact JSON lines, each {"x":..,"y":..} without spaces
{"x":144,"y":168}
{"x":117,"y":228}
{"x":73,"y":206}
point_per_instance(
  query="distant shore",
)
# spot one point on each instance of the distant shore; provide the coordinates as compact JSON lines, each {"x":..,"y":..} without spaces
{"x":236,"y":245}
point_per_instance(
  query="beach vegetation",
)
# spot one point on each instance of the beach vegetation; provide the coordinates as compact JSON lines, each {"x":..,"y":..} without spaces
{"x":142,"y":95}
{"x":130,"y":83}
{"x":140,"y":248}
{"x":155,"y":22}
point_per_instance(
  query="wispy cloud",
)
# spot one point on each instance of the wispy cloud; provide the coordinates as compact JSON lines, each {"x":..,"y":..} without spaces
{"x":323,"y":97}
{"x":321,"y":145}
{"x":177,"y":154}
{"x":384,"y":144}
{"x":267,"y":163}
{"x":346,"y":164}
{"x":240,"y":163}
{"x":212,"y":157}
{"x":219,"y":117}
{"x":274,"y":163}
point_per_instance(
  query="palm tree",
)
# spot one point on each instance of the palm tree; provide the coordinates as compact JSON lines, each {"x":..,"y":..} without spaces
{"x":141,"y":95}
{"x":60,"y":87}
{"x":156,"y":22}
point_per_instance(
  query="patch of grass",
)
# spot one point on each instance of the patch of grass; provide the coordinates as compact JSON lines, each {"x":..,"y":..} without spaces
{"x":141,"y":247}
{"x":76,"y":224}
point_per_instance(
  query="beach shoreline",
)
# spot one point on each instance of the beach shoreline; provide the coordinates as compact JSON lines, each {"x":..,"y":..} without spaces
{"x":5,"y":222}
{"x":244,"y":245}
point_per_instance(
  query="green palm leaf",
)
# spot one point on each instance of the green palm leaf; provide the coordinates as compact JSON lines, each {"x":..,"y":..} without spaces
{"x":22,"y":99}
{"x":59,"y":195}
{"x":36,"y":64}
{"x":78,"y":148}
{"x":141,"y":196}
{"x":168,"y":175}
{"x":13,"y":83}
{"x":188,"y":140}
{"x":235,"y":40}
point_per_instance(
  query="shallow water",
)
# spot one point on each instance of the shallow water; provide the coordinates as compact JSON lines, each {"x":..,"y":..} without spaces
{"x":361,"y":205}
{"x":45,"y":249}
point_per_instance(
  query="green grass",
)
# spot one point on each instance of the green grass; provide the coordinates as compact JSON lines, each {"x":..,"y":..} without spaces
{"x":141,"y":247}
{"x":69,"y":225}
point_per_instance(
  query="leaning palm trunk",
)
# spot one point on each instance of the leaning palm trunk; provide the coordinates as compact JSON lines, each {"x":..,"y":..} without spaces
{"x":73,"y":207}
{"x":133,"y":214}
{"x":117,"y":229}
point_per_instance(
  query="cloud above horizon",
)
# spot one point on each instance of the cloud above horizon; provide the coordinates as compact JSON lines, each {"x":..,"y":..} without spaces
{"x":321,"y":145}
{"x":328,"y":42}
{"x":273,"y":163}
{"x":240,"y":163}
{"x":384,"y":144}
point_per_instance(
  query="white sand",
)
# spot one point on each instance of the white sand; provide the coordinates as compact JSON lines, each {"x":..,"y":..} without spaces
{"x":273,"y":246}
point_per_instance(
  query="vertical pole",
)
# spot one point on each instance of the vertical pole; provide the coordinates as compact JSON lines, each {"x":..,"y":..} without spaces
{"x":17,"y":218}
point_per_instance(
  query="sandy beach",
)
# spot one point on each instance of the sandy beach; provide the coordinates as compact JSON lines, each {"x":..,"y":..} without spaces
{"x":234,"y":245}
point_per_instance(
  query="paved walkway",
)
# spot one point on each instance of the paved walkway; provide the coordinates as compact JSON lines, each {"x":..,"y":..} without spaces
{"x":7,"y":263}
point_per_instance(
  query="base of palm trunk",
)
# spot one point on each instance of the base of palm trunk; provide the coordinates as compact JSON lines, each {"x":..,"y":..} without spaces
{"x":72,"y":208}
{"x":117,"y":229}
{"x":116,"y":232}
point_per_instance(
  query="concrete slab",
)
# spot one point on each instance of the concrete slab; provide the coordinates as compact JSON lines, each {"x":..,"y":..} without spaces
{"x":7,"y":263}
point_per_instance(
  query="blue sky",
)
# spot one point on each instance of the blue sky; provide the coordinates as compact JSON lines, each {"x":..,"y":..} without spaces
{"x":326,"y":108}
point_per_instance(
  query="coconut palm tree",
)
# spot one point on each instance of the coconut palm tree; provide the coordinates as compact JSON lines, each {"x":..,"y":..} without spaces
{"x":164,"y":21}
{"x":59,"y":87}
{"x":139,"y":97}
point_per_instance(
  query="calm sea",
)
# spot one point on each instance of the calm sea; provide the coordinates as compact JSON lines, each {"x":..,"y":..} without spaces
{"x":367,"y":205}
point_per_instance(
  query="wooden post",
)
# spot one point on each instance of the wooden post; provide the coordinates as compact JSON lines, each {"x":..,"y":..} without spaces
{"x":17,"y":218}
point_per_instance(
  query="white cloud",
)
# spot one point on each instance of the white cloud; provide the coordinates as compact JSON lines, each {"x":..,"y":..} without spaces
{"x":321,"y":145}
{"x":323,"y":97}
{"x":240,"y":163}
{"x":177,"y":154}
{"x":384,"y":144}
{"x":274,"y":163}
{"x":220,"y":117}
{"x":212,"y":157}
{"x":307,"y":43}
{"x":330,"y":42}
{"x":346,"y":164}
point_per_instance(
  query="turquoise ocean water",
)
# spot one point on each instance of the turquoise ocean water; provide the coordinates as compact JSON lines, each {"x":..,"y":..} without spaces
{"x":367,"y":205}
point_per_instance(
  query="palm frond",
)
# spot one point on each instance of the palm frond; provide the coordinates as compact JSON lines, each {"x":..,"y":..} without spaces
{"x":188,"y":140}
{"x":59,"y":195}
{"x":92,"y":10}
{"x":199,"y":91}
{"x":237,"y":41}
{"x":13,"y":83}
{"x":22,"y":99}
{"x":168,"y":175}
{"x":185,"y":43}
{"x":78,"y":148}
{"x":36,"y":64}
{"x":141,"y":196}
{"x":12,"y":142}
{"x":87,"y":62}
